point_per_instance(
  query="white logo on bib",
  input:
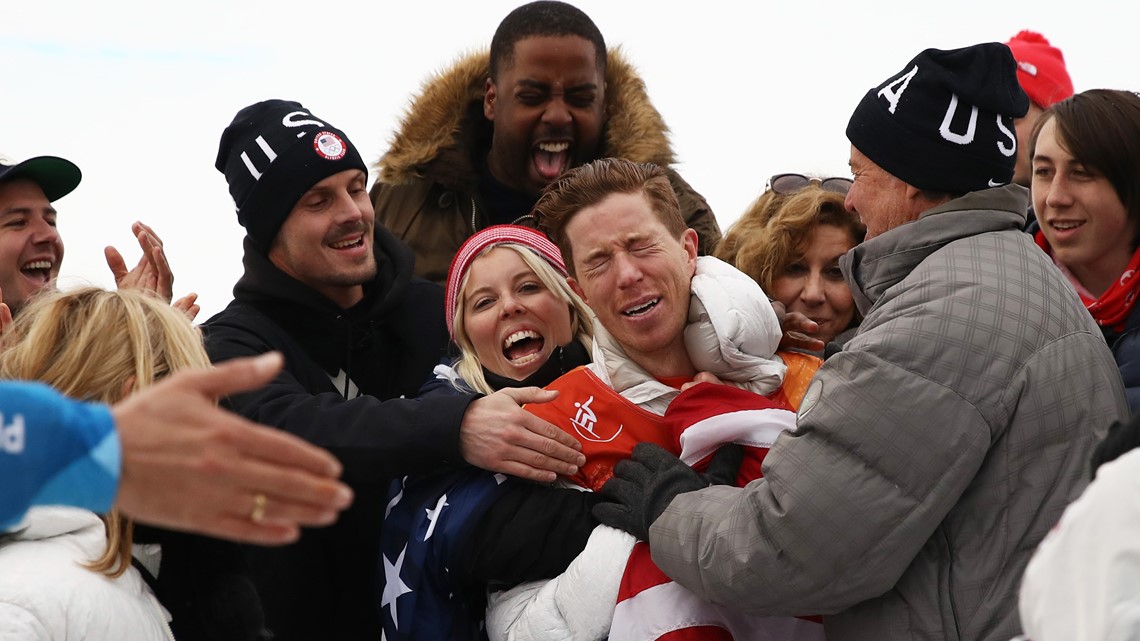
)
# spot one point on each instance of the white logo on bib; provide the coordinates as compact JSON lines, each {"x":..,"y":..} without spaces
{"x":585,"y":423}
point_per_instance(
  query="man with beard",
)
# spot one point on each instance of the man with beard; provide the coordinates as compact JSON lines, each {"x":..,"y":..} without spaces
{"x":335,"y":294}
{"x":486,"y":136}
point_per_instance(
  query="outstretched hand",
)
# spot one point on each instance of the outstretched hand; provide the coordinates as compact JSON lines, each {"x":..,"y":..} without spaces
{"x":151,"y":274}
{"x":497,"y":434}
{"x":647,"y":482}
{"x":190,"y":465}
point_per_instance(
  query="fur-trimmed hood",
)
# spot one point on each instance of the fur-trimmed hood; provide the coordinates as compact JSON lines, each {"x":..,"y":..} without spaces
{"x":446,"y":119}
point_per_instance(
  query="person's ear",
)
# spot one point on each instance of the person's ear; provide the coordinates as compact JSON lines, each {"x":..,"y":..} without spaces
{"x":689,"y":244}
{"x":128,"y":386}
{"x":489,"y":94}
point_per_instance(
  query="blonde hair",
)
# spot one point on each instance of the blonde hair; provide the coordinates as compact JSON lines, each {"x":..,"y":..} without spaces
{"x":581,"y":322}
{"x":775,"y":230}
{"x":99,"y":345}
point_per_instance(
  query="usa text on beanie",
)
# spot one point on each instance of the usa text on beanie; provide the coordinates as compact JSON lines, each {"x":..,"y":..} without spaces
{"x":271,"y":154}
{"x":945,"y":122}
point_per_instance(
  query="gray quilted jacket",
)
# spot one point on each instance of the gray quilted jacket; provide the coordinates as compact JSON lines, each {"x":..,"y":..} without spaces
{"x":931,"y":455}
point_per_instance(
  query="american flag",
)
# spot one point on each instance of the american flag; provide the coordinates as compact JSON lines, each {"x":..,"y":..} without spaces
{"x":651,"y":606}
{"x":426,"y":522}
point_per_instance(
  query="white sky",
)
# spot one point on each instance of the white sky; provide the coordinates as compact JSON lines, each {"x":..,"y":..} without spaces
{"x":137,"y":93}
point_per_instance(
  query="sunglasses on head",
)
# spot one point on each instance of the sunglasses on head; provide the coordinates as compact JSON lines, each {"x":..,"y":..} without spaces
{"x":786,"y":184}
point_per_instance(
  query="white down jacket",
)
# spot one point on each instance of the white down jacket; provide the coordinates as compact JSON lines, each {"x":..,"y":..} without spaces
{"x":47,"y":594}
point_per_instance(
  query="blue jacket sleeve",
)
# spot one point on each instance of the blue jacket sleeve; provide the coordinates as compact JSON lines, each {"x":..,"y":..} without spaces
{"x":54,"y":451}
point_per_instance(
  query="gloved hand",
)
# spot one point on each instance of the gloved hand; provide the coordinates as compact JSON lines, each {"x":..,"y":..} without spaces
{"x":645,"y":484}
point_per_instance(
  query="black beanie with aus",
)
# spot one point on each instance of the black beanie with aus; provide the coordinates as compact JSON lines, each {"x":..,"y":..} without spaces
{"x":945,"y":122}
{"x":271,"y":154}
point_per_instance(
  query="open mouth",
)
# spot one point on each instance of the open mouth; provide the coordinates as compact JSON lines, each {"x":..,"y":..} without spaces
{"x":37,"y":270}
{"x":551,"y":158}
{"x":349,"y":243}
{"x":642,"y":309}
{"x":1065,"y":225}
{"x":523,"y":347}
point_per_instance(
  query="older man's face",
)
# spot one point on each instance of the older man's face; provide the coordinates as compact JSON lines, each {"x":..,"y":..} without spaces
{"x":635,"y":275}
{"x":881,"y":200}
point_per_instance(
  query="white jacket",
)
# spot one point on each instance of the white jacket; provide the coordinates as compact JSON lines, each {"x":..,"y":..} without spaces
{"x":732,"y":332}
{"x":47,"y":594}
{"x":1083,"y":583}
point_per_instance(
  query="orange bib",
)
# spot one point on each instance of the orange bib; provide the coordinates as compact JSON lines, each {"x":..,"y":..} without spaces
{"x":606,"y":424}
{"x":801,"y":369}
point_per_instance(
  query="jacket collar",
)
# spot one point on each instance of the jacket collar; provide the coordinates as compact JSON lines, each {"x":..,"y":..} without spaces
{"x":326,"y":331}
{"x":45,"y":522}
{"x":876,"y":265}
{"x":444,"y":128}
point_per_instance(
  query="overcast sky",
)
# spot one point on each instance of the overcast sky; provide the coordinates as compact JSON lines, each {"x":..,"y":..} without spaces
{"x":137,"y":93}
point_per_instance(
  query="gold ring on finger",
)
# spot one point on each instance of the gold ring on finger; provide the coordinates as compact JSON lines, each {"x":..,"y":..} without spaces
{"x":257,"y":514}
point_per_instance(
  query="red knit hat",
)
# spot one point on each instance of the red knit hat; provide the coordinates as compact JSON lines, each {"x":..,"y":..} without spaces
{"x":485,"y":239}
{"x":1040,"y":69}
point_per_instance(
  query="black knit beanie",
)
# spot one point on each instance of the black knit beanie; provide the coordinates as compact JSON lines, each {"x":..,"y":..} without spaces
{"x":945,"y":122}
{"x":271,"y":154}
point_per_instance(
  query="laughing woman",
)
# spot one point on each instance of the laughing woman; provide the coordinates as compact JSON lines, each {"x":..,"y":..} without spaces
{"x":510,"y":310}
{"x":450,"y":534}
{"x":1086,"y":193}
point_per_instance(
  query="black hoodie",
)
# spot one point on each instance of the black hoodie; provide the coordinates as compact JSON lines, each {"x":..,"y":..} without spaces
{"x":323,"y":586}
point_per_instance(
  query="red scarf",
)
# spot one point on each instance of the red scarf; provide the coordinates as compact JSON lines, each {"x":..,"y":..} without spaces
{"x":1114,"y":305}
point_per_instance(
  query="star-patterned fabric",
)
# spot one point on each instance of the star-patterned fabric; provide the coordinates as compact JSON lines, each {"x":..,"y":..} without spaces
{"x":426,"y":523}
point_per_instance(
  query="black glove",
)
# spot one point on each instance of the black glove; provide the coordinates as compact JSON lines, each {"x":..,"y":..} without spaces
{"x":646,"y":483}
{"x":1121,"y":438}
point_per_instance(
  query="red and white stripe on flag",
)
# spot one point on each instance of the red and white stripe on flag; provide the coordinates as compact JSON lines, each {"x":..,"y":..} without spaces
{"x":651,"y":606}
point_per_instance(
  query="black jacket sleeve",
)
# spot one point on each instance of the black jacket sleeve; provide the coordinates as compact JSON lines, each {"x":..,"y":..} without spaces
{"x":532,"y":532}
{"x":400,"y":435}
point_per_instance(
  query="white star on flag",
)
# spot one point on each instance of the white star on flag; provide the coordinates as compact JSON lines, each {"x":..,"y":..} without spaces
{"x":432,"y":515}
{"x":394,"y":586}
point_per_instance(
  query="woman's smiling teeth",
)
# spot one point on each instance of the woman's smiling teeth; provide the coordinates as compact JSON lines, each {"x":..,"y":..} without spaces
{"x":641,"y":309}
{"x":523,"y":346}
